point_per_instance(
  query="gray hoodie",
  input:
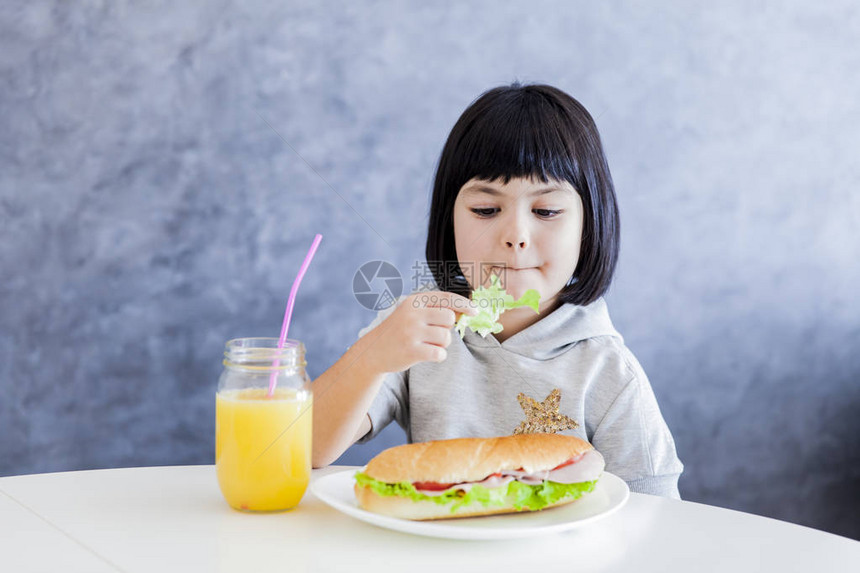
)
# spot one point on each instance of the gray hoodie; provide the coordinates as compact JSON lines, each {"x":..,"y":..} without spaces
{"x":473,"y":392}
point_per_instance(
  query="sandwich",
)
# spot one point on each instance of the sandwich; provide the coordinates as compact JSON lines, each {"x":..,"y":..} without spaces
{"x":468,"y":477}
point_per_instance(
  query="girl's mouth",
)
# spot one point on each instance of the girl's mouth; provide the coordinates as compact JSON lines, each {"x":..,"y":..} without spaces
{"x":516,"y":269}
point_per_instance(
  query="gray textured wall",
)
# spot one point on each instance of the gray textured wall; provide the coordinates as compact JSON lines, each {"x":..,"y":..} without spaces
{"x":164,"y":166}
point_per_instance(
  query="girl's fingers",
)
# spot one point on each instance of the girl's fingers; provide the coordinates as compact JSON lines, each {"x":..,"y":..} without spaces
{"x":446,"y":300}
{"x":433,"y":353}
{"x":443,"y":317}
{"x":438,"y":336}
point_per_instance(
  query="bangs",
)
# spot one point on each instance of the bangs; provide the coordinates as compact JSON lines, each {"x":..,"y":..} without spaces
{"x":522,"y":136}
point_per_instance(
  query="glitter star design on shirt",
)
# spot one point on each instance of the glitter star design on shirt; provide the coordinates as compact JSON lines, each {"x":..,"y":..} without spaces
{"x":543,"y":417}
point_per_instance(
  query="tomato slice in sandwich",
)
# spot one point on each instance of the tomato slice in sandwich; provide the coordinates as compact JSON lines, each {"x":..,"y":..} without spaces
{"x":431,"y":485}
{"x":435,"y":486}
{"x":568,"y":462}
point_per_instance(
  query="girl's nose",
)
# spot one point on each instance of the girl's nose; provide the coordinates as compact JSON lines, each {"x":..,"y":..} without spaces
{"x":516,"y":236}
{"x":516,"y":231}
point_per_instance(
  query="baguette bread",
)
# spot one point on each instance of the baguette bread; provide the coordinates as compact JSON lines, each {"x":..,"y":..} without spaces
{"x":472,"y":459}
{"x":459,"y":461}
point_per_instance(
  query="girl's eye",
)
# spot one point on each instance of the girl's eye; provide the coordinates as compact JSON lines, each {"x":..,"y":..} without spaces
{"x":485,"y":212}
{"x":546,"y":213}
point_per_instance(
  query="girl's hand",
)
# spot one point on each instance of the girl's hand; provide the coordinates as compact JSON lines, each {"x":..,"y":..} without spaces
{"x":419,"y":330}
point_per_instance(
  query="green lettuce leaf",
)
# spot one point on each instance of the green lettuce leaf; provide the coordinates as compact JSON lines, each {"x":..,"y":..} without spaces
{"x":492,"y":301}
{"x":522,"y":496}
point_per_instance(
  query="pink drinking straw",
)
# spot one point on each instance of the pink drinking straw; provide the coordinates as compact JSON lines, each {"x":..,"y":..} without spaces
{"x":273,"y":379}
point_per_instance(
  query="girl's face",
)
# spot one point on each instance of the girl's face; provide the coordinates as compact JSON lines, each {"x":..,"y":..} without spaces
{"x":532,"y":229}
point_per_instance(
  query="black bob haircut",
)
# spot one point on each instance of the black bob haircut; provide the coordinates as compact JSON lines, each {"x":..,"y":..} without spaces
{"x":528,"y":131}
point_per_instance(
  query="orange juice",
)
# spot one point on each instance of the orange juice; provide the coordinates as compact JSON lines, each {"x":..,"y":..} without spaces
{"x":263,"y":447}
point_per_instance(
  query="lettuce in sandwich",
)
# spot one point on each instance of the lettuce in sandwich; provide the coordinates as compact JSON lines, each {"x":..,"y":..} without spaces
{"x":531,"y":497}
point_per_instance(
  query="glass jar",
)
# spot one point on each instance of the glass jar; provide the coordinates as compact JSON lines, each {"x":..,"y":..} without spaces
{"x":263,"y":441}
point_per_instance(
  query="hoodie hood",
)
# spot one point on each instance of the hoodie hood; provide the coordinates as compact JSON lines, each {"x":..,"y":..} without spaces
{"x":553,"y":334}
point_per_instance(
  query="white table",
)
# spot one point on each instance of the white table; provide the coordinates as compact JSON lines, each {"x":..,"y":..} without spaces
{"x":174,"y":519}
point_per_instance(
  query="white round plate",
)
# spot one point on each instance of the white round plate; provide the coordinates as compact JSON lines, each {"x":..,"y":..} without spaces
{"x":610,"y":494}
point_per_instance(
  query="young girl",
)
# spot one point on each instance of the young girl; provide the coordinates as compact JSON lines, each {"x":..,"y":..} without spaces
{"x":522,"y":191}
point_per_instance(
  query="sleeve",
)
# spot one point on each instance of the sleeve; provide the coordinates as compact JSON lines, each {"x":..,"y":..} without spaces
{"x":392,"y":401}
{"x":636,"y":442}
